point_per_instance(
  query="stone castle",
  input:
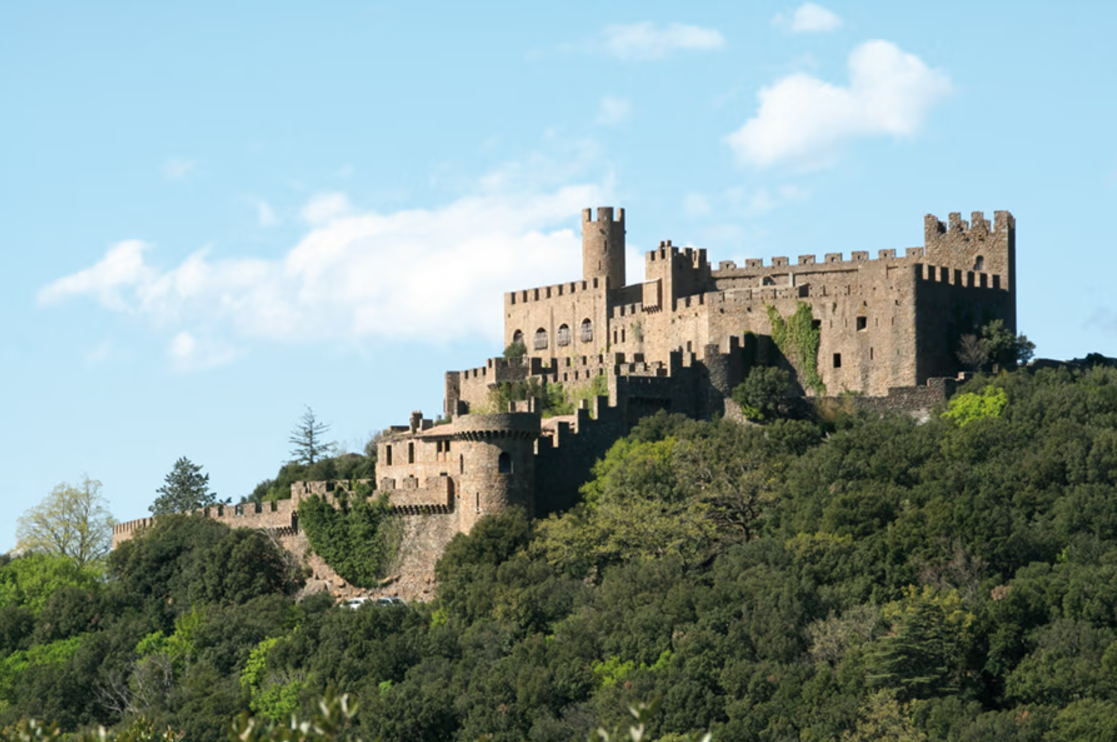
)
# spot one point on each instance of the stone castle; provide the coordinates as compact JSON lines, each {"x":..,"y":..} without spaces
{"x":887,"y":331}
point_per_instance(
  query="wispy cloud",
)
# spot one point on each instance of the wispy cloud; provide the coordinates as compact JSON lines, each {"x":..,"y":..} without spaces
{"x":695,"y":204}
{"x":177,"y":168}
{"x":612,"y":110}
{"x":758,"y":201}
{"x":356,"y":275}
{"x":809,"y":18}
{"x":99,"y":353}
{"x":189,"y":353}
{"x":646,"y":40}
{"x":805,"y":122}
{"x":265,"y":214}
{"x":326,"y":207}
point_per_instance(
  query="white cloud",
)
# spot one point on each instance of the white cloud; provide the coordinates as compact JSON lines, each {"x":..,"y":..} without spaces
{"x":326,"y":207}
{"x":434,"y":275}
{"x":804,"y":121}
{"x":613,"y":110}
{"x":809,"y":18}
{"x":122,"y":268}
{"x":646,"y":40}
{"x":177,"y":168}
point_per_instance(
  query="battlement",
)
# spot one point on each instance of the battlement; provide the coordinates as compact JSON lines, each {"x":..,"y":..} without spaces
{"x":833,"y":261}
{"x":262,"y":515}
{"x":544,"y":293}
{"x":957,"y":277}
{"x":690,"y":257}
{"x":977,"y":228}
{"x":604,"y":214}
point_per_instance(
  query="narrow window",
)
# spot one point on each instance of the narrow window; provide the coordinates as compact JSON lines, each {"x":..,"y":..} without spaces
{"x":388,"y":455}
{"x":587,"y":331}
{"x":870,"y":354}
{"x":446,"y":446}
{"x":622,"y":335}
{"x":837,"y":360}
{"x":862,"y":323}
{"x":540,"y":339}
{"x":504,"y":463}
{"x":461,"y":464}
{"x":411,"y":453}
{"x":564,"y":335}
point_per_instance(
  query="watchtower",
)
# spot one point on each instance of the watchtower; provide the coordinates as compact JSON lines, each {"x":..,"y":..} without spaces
{"x":603,"y":246}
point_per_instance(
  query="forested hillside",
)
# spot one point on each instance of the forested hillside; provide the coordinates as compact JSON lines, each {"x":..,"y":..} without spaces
{"x":860,"y":579}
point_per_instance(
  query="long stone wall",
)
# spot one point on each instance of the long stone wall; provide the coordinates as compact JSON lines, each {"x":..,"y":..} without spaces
{"x":424,"y":533}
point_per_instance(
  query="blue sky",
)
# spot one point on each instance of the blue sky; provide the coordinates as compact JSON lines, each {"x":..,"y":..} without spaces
{"x":215,"y":214}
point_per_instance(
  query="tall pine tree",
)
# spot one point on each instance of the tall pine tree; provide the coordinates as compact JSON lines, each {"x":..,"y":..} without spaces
{"x":184,"y":489}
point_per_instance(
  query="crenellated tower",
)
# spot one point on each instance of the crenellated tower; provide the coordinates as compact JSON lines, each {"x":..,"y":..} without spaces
{"x":603,"y":246}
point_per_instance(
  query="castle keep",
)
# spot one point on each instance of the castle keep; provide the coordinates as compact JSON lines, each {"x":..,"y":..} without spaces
{"x":887,"y":330}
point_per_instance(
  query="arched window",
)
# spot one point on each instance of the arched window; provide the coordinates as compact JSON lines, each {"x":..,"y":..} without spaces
{"x":540,"y":339}
{"x":504,"y":463}
{"x":564,"y":335}
{"x":587,"y":331}
{"x":979,"y":264}
{"x":768,"y":281}
{"x":518,"y":337}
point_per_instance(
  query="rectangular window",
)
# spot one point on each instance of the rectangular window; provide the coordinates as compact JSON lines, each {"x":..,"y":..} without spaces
{"x":862,"y":323}
{"x":837,"y":360}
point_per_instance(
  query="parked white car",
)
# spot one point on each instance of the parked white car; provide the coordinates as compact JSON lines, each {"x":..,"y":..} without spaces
{"x":355,"y":603}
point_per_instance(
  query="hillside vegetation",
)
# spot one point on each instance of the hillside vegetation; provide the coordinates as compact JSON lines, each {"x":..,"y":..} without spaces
{"x":869,"y":579}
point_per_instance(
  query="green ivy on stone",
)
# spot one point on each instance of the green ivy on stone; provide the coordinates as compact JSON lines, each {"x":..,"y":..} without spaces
{"x":798,"y":339}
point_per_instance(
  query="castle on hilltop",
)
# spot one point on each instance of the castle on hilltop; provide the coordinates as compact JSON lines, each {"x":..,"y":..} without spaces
{"x":884,"y":329}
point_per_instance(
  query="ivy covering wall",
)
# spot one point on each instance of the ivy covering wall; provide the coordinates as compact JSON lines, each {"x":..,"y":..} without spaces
{"x":798,"y":340}
{"x":358,"y":539}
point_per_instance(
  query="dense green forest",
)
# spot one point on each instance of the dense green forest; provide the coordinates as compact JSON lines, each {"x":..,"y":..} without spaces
{"x":853,"y":579}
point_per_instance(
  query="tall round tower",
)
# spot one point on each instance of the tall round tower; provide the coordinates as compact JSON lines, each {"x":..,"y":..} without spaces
{"x":603,"y":246}
{"x":496,"y":462}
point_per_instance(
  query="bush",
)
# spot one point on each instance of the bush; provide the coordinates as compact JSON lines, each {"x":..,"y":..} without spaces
{"x":762,"y":395}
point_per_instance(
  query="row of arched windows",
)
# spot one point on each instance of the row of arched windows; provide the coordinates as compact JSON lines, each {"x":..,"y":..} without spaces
{"x":539,"y":342}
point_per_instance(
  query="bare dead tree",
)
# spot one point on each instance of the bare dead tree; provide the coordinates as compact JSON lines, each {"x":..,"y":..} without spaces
{"x":973,"y":352}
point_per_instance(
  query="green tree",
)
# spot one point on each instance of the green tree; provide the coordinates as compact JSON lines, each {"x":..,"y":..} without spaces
{"x":965,"y":408}
{"x":72,"y":521}
{"x":307,"y":439}
{"x":184,"y":489}
{"x":515,"y":352}
{"x":1005,"y":348}
{"x":885,"y":719}
{"x":763,"y":392}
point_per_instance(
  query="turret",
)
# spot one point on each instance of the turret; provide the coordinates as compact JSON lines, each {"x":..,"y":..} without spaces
{"x":603,"y":246}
